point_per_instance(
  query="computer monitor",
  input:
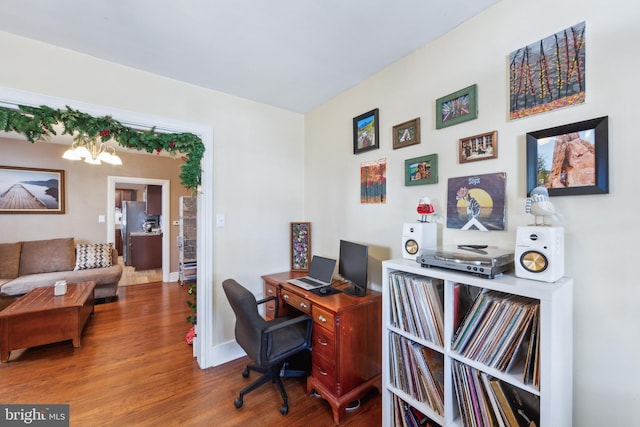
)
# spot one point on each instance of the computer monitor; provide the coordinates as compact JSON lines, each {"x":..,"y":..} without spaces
{"x":352,"y":267}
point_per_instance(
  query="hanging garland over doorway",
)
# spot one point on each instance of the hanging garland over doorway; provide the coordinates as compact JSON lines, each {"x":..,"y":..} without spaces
{"x":36,"y":124}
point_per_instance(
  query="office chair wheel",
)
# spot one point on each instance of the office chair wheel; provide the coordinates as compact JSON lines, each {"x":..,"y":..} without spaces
{"x":238,"y":402}
{"x":245,"y":373}
{"x":284,"y":409}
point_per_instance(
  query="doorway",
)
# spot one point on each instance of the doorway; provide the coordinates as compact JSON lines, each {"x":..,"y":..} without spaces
{"x":112,"y":182}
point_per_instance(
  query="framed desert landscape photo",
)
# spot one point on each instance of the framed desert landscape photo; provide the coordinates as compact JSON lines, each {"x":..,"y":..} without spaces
{"x":406,"y":134}
{"x":366,"y":132}
{"x":31,"y":190}
{"x":478,"y":147}
{"x":571,"y":159}
{"x":457,"y":107}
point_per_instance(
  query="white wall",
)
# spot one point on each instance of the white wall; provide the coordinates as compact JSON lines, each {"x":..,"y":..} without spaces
{"x":257,"y":149}
{"x":600,"y":234}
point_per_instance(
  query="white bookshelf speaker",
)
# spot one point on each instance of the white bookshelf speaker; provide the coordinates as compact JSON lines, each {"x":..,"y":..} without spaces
{"x":539,"y":253}
{"x":417,"y":236}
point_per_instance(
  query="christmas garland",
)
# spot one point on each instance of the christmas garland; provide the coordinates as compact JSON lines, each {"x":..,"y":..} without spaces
{"x":36,"y":123}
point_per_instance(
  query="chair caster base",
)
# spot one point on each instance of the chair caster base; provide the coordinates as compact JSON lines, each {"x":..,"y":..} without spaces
{"x":238,"y":402}
{"x":284,"y":409}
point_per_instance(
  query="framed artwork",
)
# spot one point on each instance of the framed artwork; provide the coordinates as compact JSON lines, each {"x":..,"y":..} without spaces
{"x":477,"y":202}
{"x":300,"y":235}
{"x":31,"y":190}
{"x":478,"y":147}
{"x":407,"y":133}
{"x":457,"y":107}
{"x":366,"y":132}
{"x":548,"y":74}
{"x":421,"y":170}
{"x":571,"y":159}
{"x":373,"y":181}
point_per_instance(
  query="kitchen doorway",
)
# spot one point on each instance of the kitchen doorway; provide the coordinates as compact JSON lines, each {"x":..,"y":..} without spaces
{"x":112,"y":182}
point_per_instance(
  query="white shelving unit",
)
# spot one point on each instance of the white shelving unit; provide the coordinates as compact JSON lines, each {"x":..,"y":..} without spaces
{"x":555,"y":340}
{"x":187,"y":239}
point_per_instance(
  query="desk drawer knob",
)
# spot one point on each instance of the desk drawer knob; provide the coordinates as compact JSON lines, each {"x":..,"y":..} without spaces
{"x":323,"y":373}
{"x":322,"y":318}
{"x":285,"y":296}
{"x":270,"y":291}
{"x":322,"y":342}
{"x":303,"y":305}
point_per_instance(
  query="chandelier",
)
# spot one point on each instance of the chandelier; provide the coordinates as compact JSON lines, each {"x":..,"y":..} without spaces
{"x":92,"y":151}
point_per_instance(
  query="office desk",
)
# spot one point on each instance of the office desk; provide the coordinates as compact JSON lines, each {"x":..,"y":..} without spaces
{"x":346,"y":338}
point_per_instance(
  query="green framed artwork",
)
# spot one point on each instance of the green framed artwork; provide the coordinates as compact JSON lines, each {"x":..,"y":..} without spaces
{"x":457,"y":107}
{"x":421,"y":170}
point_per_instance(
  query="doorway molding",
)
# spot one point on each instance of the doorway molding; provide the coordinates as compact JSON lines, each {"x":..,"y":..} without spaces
{"x":166,"y":214}
{"x":203,"y":346}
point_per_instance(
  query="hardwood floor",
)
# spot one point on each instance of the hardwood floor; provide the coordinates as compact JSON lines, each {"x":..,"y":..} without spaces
{"x":134,"y":368}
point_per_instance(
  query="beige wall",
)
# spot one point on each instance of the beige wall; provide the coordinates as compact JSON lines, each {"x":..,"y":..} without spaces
{"x":86,"y":192}
{"x":601,"y":239}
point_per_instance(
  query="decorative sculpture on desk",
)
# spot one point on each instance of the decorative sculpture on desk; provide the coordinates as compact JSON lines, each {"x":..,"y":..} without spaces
{"x":425,"y":208}
{"x":539,"y":205}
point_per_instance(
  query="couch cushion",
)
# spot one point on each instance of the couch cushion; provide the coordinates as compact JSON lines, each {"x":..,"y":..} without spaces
{"x":44,"y":256}
{"x":97,"y":255}
{"x":9,"y":260}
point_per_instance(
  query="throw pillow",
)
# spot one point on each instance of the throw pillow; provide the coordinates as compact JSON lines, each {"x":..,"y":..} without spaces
{"x":9,"y":260}
{"x":46,"y":256}
{"x":96,"y":255}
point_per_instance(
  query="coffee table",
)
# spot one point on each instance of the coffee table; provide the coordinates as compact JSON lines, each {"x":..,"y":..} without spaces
{"x":39,"y":318}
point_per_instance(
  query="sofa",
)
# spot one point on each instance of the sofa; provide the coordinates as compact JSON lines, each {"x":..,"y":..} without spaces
{"x":31,"y":264}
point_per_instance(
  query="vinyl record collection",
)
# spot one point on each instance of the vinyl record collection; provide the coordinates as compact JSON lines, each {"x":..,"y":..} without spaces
{"x":417,"y":306}
{"x":407,"y":416}
{"x":487,"y":401}
{"x":501,"y":331}
{"x":418,"y":371}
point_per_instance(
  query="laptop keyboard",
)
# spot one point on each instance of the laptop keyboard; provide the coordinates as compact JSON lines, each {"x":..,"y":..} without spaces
{"x":309,"y":281}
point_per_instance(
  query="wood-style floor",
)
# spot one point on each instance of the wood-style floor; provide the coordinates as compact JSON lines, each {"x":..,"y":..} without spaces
{"x":134,"y":368}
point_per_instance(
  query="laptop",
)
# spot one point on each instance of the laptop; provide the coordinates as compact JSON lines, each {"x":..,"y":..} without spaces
{"x":320,"y":274}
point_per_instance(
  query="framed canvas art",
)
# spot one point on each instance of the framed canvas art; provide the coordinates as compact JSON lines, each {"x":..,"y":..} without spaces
{"x":366,"y":132}
{"x":571,"y":159}
{"x":31,"y":190}
{"x":421,"y":170}
{"x":406,"y":134}
{"x":300,"y":235}
{"x":457,"y":107}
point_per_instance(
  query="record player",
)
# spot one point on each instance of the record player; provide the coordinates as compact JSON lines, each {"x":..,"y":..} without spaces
{"x":480,"y":260}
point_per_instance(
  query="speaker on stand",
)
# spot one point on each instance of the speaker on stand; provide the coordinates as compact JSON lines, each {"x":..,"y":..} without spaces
{"x":417,"y":236}
{"x":539,"y":253}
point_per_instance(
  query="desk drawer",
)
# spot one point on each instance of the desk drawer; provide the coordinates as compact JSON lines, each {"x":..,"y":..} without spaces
{"x":296,"y":301}
{"x":323,"y":342}
{"x":324,"y":371}
{"x":270,"y":307}
{"x":323,"y":318}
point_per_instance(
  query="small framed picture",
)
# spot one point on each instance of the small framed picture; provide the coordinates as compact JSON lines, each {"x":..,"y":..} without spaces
{"x":407,"y":133}
{"x":457,"y":107}
{"x":478,"y":147}
{"x":300,"y":236}
{"x":571,"y":159}
{"x":421,"y":170}
{"x":366,"y":132}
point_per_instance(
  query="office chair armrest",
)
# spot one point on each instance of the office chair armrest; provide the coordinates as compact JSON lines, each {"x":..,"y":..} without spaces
{"x":286,"y":323}
{"x":267,"y":299}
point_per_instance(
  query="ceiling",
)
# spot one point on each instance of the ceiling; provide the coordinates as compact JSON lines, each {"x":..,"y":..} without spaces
{"x":292,"y":54}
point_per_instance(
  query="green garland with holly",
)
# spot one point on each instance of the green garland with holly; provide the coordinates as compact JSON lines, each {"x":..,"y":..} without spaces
{"x":36,"y":123}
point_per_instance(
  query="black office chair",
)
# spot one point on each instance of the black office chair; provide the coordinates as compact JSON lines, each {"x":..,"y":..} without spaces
{"x":269,"y":344}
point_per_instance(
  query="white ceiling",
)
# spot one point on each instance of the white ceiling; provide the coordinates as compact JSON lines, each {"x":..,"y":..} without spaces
{"x":292,"y":54}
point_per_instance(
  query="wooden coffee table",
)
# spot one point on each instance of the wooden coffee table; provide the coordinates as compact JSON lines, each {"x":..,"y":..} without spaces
{"x":39,"y":318}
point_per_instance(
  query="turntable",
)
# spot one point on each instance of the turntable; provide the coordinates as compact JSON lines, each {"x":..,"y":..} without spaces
{"x":480,"y":260}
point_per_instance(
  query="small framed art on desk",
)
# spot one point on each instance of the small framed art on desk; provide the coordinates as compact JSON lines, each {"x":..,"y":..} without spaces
{"x":300,"y":236}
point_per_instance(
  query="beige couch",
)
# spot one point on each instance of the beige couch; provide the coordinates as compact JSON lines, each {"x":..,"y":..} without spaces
{"x":31,"y":264}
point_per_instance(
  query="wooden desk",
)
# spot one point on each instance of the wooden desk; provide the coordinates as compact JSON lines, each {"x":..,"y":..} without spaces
{"x":346,"y":338}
